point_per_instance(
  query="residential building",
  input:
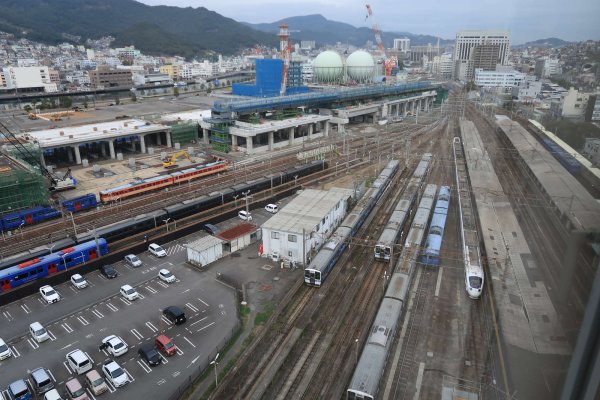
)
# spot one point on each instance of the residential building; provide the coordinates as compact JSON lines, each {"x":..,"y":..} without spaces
{"x":574,"y":104}
{"x":104,"y":77}
{"x":170,"y":69}
{"x":591,"y":150}
{"x":307,"y":44}
{"x":593,"y":109}
{"x":418,"y":52}
{"x":465,"y":57}
{"x":504,"y":78}
{"x":528,"y":90}
{"x":402,"y":45}
{"x":28,"y":79}
{"x":546,"y":67}
{"x":442,"y":65}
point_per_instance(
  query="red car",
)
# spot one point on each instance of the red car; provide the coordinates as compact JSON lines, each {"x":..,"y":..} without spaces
{"x":165,"y":345}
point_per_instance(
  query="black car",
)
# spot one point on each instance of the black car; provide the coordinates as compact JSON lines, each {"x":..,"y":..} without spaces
{"x":108,"y":271}
{"x":175,"y":315}
{"x":211,"y":229}
{"x":149,"y":353}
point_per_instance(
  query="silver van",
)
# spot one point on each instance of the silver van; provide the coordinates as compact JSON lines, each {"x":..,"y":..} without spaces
{"x":38,"y":332}
{"x":79,"y":362}
{"x":246,"y":216}
{"x":272,"y":208}
{"x":41,"y":381}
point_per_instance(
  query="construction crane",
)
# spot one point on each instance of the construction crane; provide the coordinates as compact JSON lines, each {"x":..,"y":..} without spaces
{"x":57,"y":183}
{"x":171,"y":160}
{"x":284,"y":48}
{"x":388,"y":63}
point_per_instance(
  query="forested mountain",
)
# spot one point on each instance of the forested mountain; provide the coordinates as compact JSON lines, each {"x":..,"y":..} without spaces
{"x":160,"y":30}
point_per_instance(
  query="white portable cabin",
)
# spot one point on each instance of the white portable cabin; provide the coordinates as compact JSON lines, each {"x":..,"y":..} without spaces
{"x":204,"y":251}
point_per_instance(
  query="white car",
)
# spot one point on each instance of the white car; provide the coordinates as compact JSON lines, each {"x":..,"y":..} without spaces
{"x":49,"y":294}
{"x":114,"y":373}
{"x":133,"y":260}
{"x":157,"y":250}
{"x":272,"y":208}
{"x":114,"y":345}
{"x":79,"y":281}
{"x":4,"y":350}
{"x":166,"y":275}
{"x":129,"y":293}
{"x":38,"y":332}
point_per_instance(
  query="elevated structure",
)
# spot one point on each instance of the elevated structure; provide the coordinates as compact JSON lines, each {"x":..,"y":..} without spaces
{"x":21,"y":185}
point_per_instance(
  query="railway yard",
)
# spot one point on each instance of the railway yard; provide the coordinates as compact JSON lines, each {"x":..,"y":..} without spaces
{"x":372,"y":329}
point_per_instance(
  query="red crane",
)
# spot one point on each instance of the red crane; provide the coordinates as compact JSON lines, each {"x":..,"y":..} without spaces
{"x":389,"y":63}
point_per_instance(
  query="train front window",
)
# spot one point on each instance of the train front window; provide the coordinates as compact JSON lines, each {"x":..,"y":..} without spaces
{"x":475,"y":282}
{"x":388,"y":251}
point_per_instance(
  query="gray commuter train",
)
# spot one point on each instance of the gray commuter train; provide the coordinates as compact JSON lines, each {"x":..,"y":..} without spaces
{"x":390,"y":234}
{"x":323,"y":263}
{"x":373,"y":359}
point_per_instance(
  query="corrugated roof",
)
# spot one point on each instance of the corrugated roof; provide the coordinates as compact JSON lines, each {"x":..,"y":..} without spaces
{"x":237,"y":231}
{"x":204,"y":242}
{"x":306,"y":210}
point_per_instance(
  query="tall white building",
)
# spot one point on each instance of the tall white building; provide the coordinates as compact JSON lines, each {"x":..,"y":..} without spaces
{"x":479,"y":49}
{"x":506,"y":78}
{"x":29,"y":79}
{"x":574,"y":104}
{"x":402,"y":45}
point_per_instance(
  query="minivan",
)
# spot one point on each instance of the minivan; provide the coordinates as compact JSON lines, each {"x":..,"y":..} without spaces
{"x":95,"y":382}
{"x":19,"y":390}
{"x":175,"y":315}
{"x":165,"y":345}
{"x":38,"y":332}
{"x":79,"y":362}
{"x":246,"y":216}
{"x":272,"y":208}
{"x":75,"y":390}
{"x":41,"y":381}
{"x":210,"y":228}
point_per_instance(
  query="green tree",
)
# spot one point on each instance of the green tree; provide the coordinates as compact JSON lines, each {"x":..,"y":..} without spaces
{"x":65,"y":102}
{"x":176,"y":92}
{"x":117,"y":100}
{"x":27,"y":108}
{"x":133,"y":97}
{"x":85,"y":102}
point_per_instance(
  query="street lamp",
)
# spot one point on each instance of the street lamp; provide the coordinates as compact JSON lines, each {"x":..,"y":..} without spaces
{"x":235,"y":199}
{"x":73,"y":221}
{"x":356,"y":352}
{"x":215,"y":363}
{"x":166,"y":221}
{"x":21,"y":228}
{"x":246,"y":193}
{"x":51,"y":247}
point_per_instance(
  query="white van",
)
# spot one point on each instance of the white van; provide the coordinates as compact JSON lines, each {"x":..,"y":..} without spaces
{"x":38,"y":332}
{"x":79,"y":362}
{"x":246,"y":216}
{"x":272,"y":208}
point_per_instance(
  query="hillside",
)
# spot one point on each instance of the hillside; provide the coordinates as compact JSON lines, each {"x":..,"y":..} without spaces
{"x":549,"y":42}
{"x":159,"y":30}
{"x":327,"y":32}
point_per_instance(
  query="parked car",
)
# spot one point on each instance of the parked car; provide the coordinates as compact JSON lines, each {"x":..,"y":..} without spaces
{"x":5,"y":351}
{"x":129,"y":292}
{"x":41,"y":381}
{"x":114,"y":345}
{"x":149,"y":354}
{"x":52,"y":395}
{"x":175,"y":315}
{"x":165,"y":345}
{"x":75,"y":391}
{"x":133,"y":260}
{"x":108,"y":271}
{"x":49,"y":294}
{"x":18,"y":390}
{"x":38,"y":332}
{"x":114,"y":373}
{"x":166,"y":275}
{"x":157,"y":250}
{"x":95,"y":382}
{"x":272,"y":208}
{"x":79,"y":362}
{"x":246,"y":216}
{"x":78,"y":281}
{"x":211,"y":229}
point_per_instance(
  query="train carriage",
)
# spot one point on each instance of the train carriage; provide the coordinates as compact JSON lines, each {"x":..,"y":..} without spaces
{"x":80,"y":203}
{"x":431,"y":253}
{"x":43,"y":266}
{"x":28,"y":216}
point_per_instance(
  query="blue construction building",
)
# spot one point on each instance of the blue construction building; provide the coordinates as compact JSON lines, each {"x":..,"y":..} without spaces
{"x":269,"y":74}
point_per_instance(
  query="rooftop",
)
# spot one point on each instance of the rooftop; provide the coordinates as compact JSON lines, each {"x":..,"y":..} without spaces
{"x":192,"y":115}
{"x":237,"y":231}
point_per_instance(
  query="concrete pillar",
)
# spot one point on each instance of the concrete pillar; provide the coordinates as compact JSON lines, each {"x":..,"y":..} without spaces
{"x":111,"y":148}
{"x":102,"y":149}
{"x":326,"y":130}
{"x":168,"y":134}
{"x":142,"y":143}
{"x":412,"y":106}
{"x":397,"y":110}
{"x":291,"y":138}
{"x":69,"y":154}
{"x":77,"y":154}
{"x":42,"y":159}
{"x":271,"y":139}
{"x":205,"y":133}
{"x":132,"y":145}
{"x":233,"y":140}
{"x":249,"y":144}
{"x":310,"y":130}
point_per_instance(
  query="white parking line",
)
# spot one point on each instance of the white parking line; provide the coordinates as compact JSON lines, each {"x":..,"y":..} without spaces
{"x":90,"y":394}
{"x":98,"y":313}
{"x":52,"y":376}
{"x":7,"y":315}
{"x":124,"y":300}
{"x":152,"y":327}
{"x":52,"y":337}
{"x":129,"y":375}
{"x":179,"y":351}
{"x":186,"y":339}
{"x":151,"y":289}
{"x":83,"y":320}
{"x":25,"y":308}
{"x":140,"y":296}
{"x":161,"y":283}
{"x":203,"y":302}
{"x":16,"y":354}
{"x":201,"y":329}
{"x":33,"y":343}
{"x":200,"y":320}
{"x":111,"y":388}
{"x":91,"y":360}
{"x":191,"y":307}
{"x":67,"y":367}
{"x":137,"y":334}
{"x":165,"y":320}
{"x":113,"y":308}
{"x":165,"y":361}
{"x":144,"y":366}
{"x":66,"y":327}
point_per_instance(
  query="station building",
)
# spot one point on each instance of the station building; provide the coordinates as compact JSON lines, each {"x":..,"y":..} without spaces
{"x":301,"y":227}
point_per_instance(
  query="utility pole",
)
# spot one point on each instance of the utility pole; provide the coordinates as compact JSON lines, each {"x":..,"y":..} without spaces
{"x":246,"y":193}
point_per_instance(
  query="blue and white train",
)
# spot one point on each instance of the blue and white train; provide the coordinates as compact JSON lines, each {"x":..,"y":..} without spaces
{"x":371,"y":365}
{"x":431,"y":253}
{"x":323,"y":263}
{"x":390,"y":234}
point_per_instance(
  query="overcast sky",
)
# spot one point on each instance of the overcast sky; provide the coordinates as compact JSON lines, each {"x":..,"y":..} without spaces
{"x":572,"y":20}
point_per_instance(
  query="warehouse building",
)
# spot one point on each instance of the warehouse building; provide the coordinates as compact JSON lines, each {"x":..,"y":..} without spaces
{"x":302,"y":226}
